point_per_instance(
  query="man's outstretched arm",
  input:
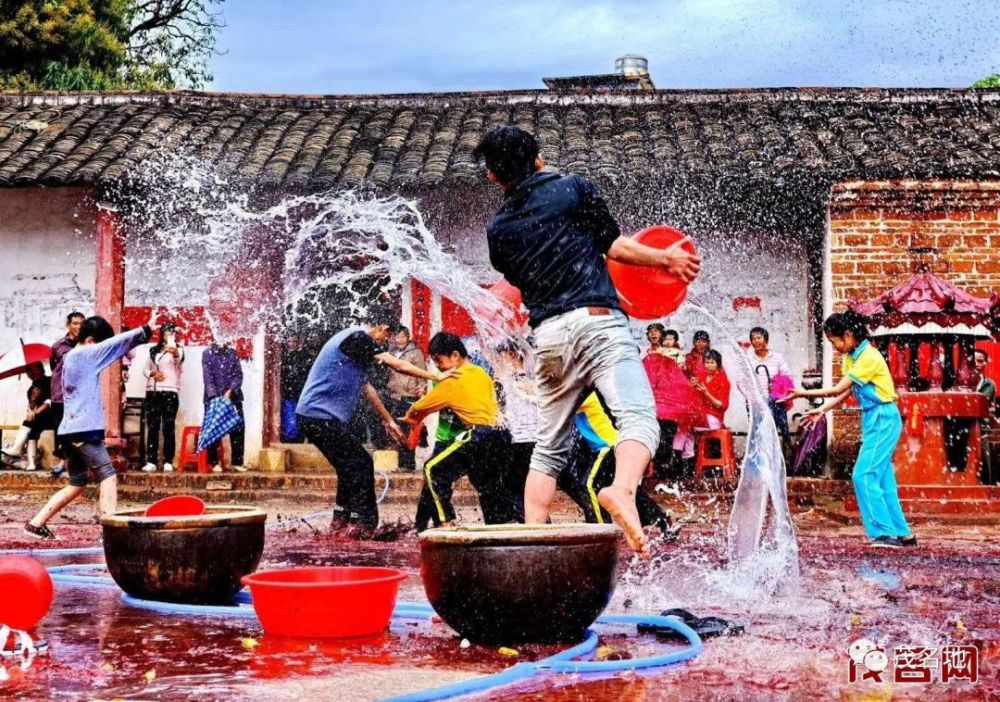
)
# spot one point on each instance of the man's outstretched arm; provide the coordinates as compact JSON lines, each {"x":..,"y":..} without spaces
{"x":674,"y":259}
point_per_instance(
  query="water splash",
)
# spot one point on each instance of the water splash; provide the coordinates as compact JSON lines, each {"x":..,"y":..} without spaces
{"x":319,"y":259}
{"x":759,"y":556}
{"x":323,"y":259}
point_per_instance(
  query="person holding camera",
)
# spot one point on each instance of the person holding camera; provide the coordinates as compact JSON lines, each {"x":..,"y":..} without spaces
{"x":163,"y":386}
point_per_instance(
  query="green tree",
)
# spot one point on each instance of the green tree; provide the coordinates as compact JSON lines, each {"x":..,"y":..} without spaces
{"x":106,"y":44}
{"x":992,"y":81}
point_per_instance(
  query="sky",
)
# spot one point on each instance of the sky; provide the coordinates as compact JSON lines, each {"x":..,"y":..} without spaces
{"x":388,"y":46}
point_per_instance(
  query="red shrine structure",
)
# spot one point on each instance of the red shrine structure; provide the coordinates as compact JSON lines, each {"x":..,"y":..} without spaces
{"x":927,"y":329}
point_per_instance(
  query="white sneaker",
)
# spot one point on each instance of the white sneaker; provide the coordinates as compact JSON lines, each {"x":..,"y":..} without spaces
{"x":240,"y":469}
{"x":216,"y":469}
{"x":167,"y":468}
{"x":31,"y":466}
{"x":149,"y":468}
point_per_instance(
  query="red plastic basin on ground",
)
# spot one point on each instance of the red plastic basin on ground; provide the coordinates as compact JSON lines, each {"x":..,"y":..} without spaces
{"x":177,"y":506}
{"x":324,"y":602}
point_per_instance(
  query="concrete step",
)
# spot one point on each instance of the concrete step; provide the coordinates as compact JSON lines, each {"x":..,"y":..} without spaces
{"x":306,"y":458}
{"x":17,"y":480}
{"x":303,"y":458}
{"x":256,"y":487}
{"x":942,"y":500}
{"x":949,"y":492}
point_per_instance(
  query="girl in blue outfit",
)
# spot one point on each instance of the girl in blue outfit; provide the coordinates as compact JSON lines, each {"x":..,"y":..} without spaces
{"x":866,"y":374}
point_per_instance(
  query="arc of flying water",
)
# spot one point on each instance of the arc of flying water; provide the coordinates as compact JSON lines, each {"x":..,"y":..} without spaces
{"x":762,"y":488}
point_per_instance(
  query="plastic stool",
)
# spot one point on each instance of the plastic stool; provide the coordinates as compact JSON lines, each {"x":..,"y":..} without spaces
{"x":723,"y":458}
{"x":192,"y":456}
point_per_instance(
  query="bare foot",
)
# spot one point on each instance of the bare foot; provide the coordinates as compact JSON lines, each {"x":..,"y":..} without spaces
{"x":621,"y":506}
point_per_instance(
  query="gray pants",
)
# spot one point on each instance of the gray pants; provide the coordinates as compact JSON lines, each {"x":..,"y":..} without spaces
{"x":589,"y":348}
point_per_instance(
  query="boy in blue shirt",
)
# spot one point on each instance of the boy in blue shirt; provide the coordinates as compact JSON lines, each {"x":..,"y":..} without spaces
{"x":337,"y":381}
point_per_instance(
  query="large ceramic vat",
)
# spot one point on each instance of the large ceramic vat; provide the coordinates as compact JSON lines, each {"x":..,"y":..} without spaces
{"x":516,"y":583}
{"x":197,"y":560}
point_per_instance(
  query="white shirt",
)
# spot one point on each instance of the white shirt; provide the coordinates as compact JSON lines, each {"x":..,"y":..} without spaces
{"x":773,"y":362}
{"x":520,"y":412}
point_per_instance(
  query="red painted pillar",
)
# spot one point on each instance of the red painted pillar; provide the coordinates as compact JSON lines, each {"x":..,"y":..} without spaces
{"x":420,"y":322}
{"x":272,"y":388}
{"x":109,"y":293}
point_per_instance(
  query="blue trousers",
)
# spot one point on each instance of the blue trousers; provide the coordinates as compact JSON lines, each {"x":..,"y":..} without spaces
{"x":874,"y":477}
{"x":289,"y":421}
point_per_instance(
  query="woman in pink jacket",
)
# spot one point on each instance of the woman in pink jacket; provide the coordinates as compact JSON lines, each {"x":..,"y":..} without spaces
{"x":163,"y":385}
{"x":679,"y":408}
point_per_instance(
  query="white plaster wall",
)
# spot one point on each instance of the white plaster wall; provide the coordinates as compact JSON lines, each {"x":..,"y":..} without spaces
{"x":772,"y":268}
{"x":48,"y":242}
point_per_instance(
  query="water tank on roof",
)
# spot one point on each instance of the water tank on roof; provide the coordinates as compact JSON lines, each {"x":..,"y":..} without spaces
{"x":632,"y":65}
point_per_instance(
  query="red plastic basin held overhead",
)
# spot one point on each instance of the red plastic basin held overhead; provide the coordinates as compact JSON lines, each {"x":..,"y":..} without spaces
{"x":645,"y":292}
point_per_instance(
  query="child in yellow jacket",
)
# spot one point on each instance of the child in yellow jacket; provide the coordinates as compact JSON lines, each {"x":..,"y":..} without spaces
{"x":482,"y":451}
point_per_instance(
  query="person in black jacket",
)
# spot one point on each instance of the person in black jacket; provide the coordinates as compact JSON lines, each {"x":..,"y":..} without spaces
{"x":37,"y":420}
{"x":550,"y":239}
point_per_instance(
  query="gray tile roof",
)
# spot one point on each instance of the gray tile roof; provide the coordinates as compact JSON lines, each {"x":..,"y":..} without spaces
{"x":415,"y":142}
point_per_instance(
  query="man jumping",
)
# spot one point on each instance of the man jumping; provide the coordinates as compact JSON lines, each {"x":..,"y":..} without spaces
{"x":550,"y":239}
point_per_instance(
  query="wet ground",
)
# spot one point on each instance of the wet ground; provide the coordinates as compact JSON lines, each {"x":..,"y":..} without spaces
{"x":795,"y":645}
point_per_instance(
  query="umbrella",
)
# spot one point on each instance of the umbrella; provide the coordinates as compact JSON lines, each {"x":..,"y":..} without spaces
{"x":810,"y":453}
{"x":221,"y":418}
{"x":16,"y":362}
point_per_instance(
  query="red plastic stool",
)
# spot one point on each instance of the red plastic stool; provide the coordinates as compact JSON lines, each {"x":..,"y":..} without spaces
{"x":724,"y":457}
{"x":192,"y":456}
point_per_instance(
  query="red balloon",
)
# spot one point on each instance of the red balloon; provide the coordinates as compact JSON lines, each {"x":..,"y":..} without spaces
{"x":645,"y":292}
{"x":25,"y":592}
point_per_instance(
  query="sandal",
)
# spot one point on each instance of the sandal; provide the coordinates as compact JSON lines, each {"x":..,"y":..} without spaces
{"x":705,"y":627}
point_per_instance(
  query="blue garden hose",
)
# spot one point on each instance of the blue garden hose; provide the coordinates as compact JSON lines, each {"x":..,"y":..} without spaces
{"x":67,"y":574}
{"x":38,"y":552}
{"x":693,"y":649}
{"x":239,"y":610}
{"x":328,"y":512}
{"x":561,"y":663}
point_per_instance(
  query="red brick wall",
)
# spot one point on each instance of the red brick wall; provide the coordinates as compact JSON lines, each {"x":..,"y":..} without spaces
{"x":883,"y":232}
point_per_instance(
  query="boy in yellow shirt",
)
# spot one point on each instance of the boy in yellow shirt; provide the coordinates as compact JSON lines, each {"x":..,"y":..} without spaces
{"x":592,"y":468}
{"x":481,"y":450}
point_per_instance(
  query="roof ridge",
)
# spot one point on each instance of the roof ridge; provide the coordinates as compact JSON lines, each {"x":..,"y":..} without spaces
{"x":813,"y":134}
{"x":534,"y":95}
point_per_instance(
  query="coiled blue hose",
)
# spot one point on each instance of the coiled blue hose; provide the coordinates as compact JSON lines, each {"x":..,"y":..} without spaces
{"x":563,"y":662}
